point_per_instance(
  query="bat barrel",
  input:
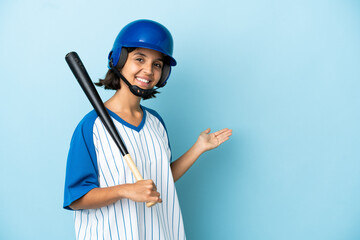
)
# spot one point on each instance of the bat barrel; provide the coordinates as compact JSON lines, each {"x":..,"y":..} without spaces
{"x":81,"y":75}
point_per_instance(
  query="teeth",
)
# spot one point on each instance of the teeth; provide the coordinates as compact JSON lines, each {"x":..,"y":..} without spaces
{"x":143,"y":80}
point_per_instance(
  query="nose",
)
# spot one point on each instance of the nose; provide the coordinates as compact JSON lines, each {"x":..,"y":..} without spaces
{"x":148,"y":68}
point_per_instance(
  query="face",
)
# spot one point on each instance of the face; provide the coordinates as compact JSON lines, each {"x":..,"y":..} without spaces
{"x":143,"y":67}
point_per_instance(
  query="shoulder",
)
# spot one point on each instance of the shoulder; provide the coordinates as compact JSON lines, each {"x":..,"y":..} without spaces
{"x":87,"y":122}
{"x":85,"y":127}
{"x":89,"y":118}
{"x":155,"y":114}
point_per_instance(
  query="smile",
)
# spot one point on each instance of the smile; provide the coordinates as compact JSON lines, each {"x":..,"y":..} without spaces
{"x":142,"y":80}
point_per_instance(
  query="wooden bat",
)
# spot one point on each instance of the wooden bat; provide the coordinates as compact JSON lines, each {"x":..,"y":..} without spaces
{"x":80,"y":73}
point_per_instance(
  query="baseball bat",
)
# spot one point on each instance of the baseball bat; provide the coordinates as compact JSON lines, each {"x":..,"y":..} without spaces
{"x":81,"y":75}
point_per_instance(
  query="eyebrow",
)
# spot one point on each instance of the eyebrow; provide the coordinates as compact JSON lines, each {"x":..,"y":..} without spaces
{"x":144,"y":55}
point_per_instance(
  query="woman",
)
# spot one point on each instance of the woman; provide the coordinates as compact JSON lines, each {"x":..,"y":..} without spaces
{"x":108,"y":202}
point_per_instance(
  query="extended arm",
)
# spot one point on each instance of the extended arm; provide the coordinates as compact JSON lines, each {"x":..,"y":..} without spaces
{"x":205,"y":142}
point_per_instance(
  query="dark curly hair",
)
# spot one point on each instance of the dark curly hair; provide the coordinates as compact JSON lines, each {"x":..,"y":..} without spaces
{"x":112,"y":81}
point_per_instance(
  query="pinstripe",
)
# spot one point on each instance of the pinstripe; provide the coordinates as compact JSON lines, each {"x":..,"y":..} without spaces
{"x":133,"y":150}
{"x":173,"y":215}
{"x":81,"y":223}
{"x":175,"y":211}
{"x":149,"y":160}
{"x":170,"y":179}
{"x":158,"y":216}
{"x":166,"y":228}
{"x":87,"y":223}
{"x":79,"y":212}
{"x":137,"y":145}
{"x":167,"y":200}
{"x":132,"y":131}
{"x":97,"y":225}
{"x":143,"y":151}
{"x":161,"y":157}
{"x":82,"y":230}
{"x":108,"y":215}
{"x":106,"y":206}
{"x":116,"y":220}
{"x":90,"y":228}
{"x":102,"y":147}
{"x":106,"y":182}
{"x":167,"y":182}
{"x":152,"y":141}
{"x":179,"y":228}
{"x":112,"y":154}
{"x":128,"y":201}
{"x":167,"y":197}
{"x":155,"y":158}
{"x":94,"y":135}
{"x":103,"y":153}
{"x":154,"y":130}
{"x":103,"y":221}
{"x":76,"y":223}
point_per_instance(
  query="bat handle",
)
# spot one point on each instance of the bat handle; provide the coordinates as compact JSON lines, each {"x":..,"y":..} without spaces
{"x":150,"y":204}
{"x":136,"y":173}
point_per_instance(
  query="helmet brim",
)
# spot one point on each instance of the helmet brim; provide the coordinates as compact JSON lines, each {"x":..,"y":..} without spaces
{"x":153,"y":47}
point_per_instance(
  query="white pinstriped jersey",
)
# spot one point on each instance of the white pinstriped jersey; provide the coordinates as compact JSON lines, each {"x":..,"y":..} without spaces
{"x":125,"y":219}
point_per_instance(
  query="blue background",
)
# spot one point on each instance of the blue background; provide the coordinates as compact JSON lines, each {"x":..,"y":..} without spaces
{"x":284,"y":75}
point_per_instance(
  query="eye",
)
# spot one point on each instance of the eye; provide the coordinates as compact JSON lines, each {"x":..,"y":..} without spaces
{"x":139,"y":59}
{"x":158,"y":65}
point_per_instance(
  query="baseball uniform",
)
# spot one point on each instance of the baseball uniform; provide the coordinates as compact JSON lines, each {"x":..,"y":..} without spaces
{"x":95,"y":161}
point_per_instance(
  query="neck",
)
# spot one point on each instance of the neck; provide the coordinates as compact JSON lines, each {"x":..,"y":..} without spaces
{"x":124,"y":100}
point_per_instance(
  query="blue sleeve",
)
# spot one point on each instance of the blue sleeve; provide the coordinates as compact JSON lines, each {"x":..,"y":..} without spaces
{"x":81,"y":168}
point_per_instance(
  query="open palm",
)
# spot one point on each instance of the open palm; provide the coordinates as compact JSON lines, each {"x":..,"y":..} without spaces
{"x":210,"y":141}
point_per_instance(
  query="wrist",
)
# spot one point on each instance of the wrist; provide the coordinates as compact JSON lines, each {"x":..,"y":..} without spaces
{"x":198,"y":148}
{"x":122,"y":191}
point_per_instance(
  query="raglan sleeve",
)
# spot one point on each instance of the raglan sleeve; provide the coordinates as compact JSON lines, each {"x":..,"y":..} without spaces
{"x":81,"y":168}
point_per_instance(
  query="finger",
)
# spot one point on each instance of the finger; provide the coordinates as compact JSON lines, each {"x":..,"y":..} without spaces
{"x":155,"y":194}
{"x":223,"y":136}
{"x":154,"y":186}
{"x":156,"y":199}
{"x":226,"y":133}
{"x":206,"y":131}
{"x":146,"y":182}
{"x":223,"y":140}
{"x":221,"y":132}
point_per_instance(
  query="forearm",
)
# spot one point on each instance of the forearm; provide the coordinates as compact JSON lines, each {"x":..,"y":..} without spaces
{"x":98,"y":197}
{"x":183,"y":163}
{"x":141,"y":191}
{"x":205,"y":142}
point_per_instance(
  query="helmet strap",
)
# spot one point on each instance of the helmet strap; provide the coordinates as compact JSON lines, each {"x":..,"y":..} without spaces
{"x":137,"y":91}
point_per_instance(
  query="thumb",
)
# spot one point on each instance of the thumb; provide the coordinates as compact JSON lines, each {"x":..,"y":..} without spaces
{"x":207,"y":131}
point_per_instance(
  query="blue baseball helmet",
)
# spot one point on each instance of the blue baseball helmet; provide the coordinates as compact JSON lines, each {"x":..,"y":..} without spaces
{"x":144,"y":34}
